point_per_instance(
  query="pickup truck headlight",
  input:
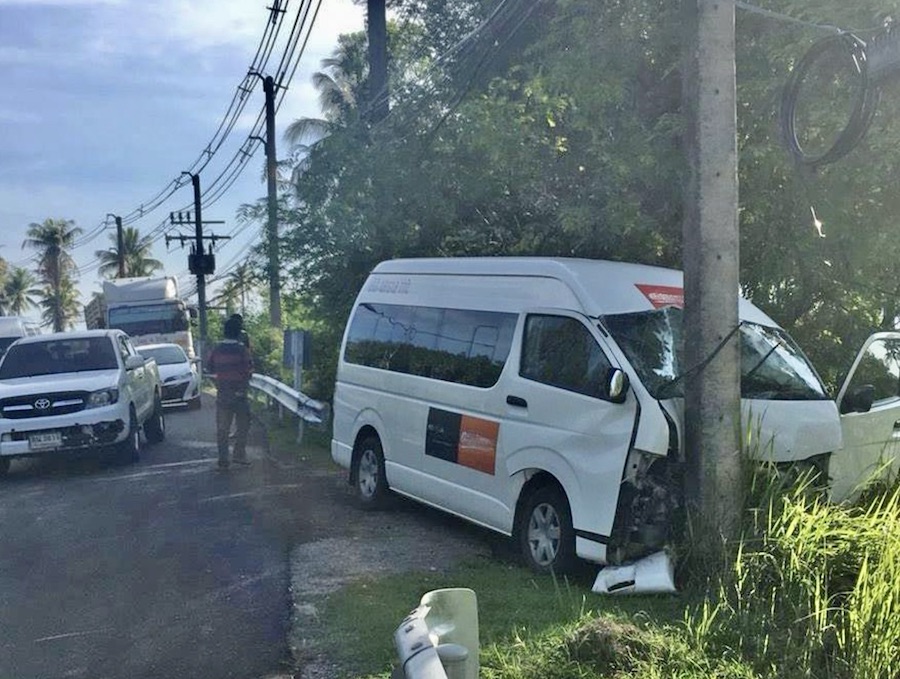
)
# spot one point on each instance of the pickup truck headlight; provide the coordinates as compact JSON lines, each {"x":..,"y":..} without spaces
{"x":104,"y":397}
{"x":183,"y":376}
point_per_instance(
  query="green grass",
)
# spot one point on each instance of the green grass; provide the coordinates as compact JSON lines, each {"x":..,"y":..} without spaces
{"x":516,"y":609}
{"x":812,"y":591}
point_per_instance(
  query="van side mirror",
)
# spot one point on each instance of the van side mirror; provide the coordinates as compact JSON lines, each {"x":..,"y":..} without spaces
{"x":858,"y":400}
{"x":617,"y":385}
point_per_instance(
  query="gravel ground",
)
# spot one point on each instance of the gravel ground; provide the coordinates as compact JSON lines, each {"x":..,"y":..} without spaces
{"x":355,"y":543}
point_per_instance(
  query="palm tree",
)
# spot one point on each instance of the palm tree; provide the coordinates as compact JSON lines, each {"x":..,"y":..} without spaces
{"x":228,"y":297}
{"x":53,"y":239}
{"x":340,"y":84}
{"x":242,"y":279}
{"x":4,"y":277}
{"x":136,"y":248}
{"x":19,"y":292}
{"x":237,"y":285}
{"x":60,"y":306}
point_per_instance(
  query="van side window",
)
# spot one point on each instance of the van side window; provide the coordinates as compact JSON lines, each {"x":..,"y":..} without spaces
{"x":453,"y":345}
{"x":560,"y":351}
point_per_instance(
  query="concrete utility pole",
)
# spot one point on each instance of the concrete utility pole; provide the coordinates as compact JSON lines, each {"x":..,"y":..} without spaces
{"x":376,"y":29}
{"x":711,"y":271}
{"x":120,"y":245}
{"x":201,"y":277}
{"x":272,"y":231}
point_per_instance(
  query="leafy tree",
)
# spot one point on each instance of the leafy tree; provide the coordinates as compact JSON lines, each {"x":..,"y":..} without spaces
{"x":564,"y":138}
{"x":53,"y":239}
{"x":137,"y":255}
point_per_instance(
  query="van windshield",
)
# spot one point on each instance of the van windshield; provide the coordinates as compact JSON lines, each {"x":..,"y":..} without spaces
{"x":772,"y":366}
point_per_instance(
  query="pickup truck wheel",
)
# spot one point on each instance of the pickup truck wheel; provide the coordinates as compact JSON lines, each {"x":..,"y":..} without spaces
{"x":4,"y":465}
{"x":155,"y":427}
{"x":130,"y":448}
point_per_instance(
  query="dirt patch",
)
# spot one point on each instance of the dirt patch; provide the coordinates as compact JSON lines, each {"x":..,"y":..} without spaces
{"x":405,"y":537}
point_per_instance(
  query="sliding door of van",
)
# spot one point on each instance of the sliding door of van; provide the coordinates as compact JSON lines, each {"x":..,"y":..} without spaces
{"x":560,"y":419}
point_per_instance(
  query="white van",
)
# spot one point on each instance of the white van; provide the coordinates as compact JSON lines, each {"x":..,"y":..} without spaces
{"x":14,"y":327}
{"x":541,"y":398}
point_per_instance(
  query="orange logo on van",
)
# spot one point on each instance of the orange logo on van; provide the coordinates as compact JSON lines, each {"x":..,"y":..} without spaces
{"x":477,"y":444}
{"x":462,"y":439}
{"x":662,"y":295}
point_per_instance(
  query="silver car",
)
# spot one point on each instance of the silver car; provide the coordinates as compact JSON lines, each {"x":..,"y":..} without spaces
{"x":178,"y":374}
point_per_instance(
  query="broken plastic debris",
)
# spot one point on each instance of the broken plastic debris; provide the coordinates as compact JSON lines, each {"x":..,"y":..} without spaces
{"x":654,"y":574}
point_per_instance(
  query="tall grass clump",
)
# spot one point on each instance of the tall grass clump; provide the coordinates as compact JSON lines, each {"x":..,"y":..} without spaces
{"x":813,"y":589}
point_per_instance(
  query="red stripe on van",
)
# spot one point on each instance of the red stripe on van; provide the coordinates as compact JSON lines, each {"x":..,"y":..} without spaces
{"x":477,"y":444}
{"x":662,"y":295}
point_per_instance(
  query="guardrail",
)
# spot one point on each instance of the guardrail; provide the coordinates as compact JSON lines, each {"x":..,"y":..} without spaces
{"x":304,"y":407}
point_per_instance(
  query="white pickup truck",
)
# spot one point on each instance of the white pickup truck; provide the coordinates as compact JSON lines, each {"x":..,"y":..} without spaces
{"x":77,"y":392}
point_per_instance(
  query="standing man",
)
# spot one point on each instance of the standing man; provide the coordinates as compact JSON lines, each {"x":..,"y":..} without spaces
{"x":231,"y":367}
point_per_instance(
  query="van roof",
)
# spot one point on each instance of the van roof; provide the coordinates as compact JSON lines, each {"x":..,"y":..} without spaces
{"x":602,"y":287}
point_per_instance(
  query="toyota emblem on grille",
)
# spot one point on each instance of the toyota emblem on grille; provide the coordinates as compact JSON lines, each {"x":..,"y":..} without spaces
{"x":42,"y":403}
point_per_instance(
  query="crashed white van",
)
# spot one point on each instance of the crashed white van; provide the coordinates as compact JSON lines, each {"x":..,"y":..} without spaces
{"x":541,"y":398}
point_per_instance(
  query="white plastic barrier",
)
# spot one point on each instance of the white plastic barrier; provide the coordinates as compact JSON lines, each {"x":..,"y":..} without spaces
{"x":439,"y":638}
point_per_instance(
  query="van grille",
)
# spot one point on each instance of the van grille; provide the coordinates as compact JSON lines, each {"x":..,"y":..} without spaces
{"x":43,"y":405}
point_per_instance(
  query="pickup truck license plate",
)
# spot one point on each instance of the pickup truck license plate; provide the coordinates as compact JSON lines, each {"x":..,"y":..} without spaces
{"x":44,"y":440}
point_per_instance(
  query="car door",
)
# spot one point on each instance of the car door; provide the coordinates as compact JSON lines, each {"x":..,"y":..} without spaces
{"x":559,"y":418}
{"x":869,"y":402}
{"x":136,"y":378}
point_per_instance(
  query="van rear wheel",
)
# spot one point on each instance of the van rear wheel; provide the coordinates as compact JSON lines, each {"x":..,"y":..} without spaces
{"x":546,"y":536}
{"x":4,"y":465}
{"x":368,"y":473}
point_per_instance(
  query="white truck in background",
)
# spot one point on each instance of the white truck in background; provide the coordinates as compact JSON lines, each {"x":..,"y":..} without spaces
{"x":149,"y":309}
{"x":14,"y":327}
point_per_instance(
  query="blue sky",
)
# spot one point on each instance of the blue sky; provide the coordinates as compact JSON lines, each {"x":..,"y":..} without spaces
{"x":107,"y":101}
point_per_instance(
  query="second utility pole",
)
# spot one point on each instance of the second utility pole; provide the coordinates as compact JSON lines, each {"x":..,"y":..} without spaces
{"x":271,"y":169}
{"x":201,"y":278}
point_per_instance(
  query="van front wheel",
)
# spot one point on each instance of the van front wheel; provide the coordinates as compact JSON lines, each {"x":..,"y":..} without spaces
{"x":368,"y":473}
{"x":546,"y":536}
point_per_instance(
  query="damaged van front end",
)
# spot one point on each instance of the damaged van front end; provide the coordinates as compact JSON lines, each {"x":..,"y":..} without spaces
{"x":787,"y":417}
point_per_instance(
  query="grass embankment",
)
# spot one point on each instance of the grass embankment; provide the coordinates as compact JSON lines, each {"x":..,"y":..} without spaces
{"x":811,"y":591}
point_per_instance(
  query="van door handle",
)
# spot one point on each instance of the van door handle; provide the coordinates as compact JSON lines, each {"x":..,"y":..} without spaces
{"x":517,"y":401}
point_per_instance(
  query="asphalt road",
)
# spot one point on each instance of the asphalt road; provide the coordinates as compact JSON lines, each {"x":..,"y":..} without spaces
{"x":164,"y":568}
